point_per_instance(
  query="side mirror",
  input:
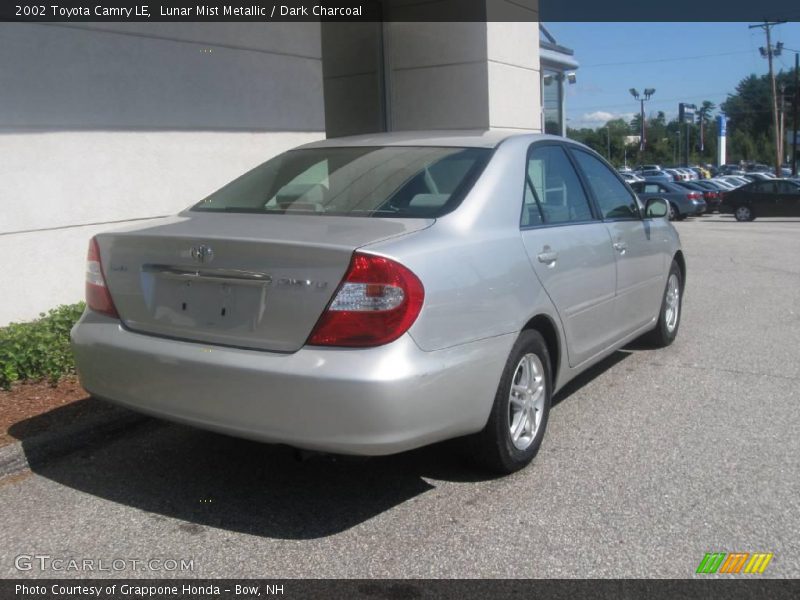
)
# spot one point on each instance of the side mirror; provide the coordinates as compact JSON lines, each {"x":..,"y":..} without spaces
{"x":656,"y":208}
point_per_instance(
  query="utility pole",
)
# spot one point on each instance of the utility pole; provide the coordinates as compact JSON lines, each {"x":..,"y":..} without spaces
{"x":781,"y":122}
{"x":608,"y":138}
{"x":769,"y":52}
{"x":794,"y":110}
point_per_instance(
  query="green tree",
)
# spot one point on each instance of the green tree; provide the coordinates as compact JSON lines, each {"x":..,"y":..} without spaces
{"x":749,"y":113}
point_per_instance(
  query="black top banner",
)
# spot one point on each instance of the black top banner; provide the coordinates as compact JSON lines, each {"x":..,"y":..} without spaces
{"x":398,"y":10}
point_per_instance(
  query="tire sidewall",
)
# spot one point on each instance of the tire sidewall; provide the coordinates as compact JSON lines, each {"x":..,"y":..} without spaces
{"x":512,"y":457}
{"x":669,"y":336}
{"x":673,"y":212}
{"x":751,"y":213}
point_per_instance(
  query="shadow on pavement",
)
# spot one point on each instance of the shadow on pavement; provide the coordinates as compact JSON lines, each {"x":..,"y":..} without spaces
{"x":210,"y":480}
{"x":595,"y":371}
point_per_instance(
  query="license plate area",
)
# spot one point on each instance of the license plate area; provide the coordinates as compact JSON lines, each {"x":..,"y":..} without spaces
{"x":213,"y":303}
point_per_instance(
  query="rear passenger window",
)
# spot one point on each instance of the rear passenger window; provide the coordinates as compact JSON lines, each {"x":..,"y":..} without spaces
{"x":553,"y":192}
{"x":615,"y":201}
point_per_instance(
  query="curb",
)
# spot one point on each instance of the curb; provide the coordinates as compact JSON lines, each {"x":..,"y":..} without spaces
{"x":39,"y":449}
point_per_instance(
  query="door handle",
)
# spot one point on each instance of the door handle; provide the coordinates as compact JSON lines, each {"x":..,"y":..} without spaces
{"x":620,"y":247}
{"x":548,"y":258}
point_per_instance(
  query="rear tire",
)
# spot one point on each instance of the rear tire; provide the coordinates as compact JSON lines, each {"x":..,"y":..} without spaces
{"x":669,"y":317}
{"x":516,"y":425}
{"x":674,"y":214}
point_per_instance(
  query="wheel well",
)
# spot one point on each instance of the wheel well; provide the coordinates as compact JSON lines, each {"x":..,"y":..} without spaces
{"x":544,"y":325}
{"x":678,"y":258}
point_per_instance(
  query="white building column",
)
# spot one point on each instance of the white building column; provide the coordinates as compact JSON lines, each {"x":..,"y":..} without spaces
{"x":463,"y":75}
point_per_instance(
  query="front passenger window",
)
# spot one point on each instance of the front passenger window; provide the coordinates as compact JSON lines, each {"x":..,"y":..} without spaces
{"x":615,"y":201}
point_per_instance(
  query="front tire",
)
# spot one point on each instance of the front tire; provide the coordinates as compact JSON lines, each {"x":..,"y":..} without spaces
{"x":744,"y":213}
{"x":516,"y":425}
{"x":669,"y":317}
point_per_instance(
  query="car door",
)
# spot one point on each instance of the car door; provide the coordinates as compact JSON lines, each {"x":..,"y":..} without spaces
{"x":788,"y":200}
{"x":767,"y":204}
{"x":640,"y":245}
{"x":570,"y":250}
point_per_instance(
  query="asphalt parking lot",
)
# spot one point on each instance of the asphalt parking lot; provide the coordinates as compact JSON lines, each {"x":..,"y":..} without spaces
{"x":651,"y":460}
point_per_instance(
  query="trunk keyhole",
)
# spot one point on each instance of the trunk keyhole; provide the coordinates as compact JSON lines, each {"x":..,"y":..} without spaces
{"x":183,"y":306}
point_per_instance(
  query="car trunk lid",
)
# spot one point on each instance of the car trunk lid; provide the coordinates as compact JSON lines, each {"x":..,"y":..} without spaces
{"x":244,"y":280}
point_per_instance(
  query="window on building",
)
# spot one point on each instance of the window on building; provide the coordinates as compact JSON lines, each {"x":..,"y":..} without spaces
{"x":552,"y":90}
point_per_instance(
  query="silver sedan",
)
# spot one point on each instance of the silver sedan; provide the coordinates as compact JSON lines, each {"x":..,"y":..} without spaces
{"x":374,"y":294}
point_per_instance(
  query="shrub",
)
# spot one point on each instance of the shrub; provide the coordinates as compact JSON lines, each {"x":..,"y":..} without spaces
{"x":39,"y":349}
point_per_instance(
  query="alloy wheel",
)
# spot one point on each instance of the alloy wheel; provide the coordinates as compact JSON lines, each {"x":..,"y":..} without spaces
{"x":526,"y":401}
{"x":673,"y":302}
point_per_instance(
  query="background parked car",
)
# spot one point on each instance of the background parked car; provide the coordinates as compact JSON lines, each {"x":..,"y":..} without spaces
{"x":682,"y":202}
{"x":758,"y":176}
{"x":770,"y":198}
{"x":730,"y":169}
{"x":735,"y":180}
{"x":630,"y":176}
{"x":711,"y":195}
{"x":656,"y":175}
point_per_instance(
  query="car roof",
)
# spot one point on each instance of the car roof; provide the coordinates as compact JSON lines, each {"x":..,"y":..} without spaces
{"x":460,"y":138}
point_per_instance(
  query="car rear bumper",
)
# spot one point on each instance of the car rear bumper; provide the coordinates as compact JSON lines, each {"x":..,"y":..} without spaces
{"x":353,"y":401}
{"x":697,"y":207}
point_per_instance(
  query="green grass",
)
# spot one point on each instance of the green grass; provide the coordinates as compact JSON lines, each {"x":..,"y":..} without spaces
{"x":38,"y":350}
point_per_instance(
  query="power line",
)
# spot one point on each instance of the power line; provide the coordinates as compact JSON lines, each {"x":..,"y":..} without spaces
{"x":655,"y":102}
{"x":661,"y":60}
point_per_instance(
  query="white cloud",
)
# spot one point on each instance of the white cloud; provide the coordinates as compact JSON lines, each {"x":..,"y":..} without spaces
{"x":597,"y":118}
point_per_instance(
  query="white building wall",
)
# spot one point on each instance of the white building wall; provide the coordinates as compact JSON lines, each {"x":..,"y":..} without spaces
{"x":101,"y":124}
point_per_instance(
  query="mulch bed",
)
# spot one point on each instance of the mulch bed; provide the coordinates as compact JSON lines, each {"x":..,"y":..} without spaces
{"x":31,"y":408}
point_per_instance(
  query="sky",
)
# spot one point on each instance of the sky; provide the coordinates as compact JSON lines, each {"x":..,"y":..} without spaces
{"x":684,"y":62}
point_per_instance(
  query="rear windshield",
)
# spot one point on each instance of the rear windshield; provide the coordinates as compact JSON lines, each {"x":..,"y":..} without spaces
{"x":391,"y":181}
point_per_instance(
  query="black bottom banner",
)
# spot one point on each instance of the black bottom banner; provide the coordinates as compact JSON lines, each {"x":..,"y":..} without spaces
{"x":399,"y":589}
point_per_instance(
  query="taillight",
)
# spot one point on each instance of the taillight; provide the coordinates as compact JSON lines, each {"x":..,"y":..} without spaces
{"x":694,"y":195}
{"x":98,"y":297}
{"x":377,"y":301}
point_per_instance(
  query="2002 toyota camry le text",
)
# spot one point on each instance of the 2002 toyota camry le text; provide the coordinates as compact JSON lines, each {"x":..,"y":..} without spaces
{"x":374,"y":294}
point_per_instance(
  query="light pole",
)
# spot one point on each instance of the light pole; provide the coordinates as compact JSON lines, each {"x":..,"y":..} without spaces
{"x":648,"y":92}
{"x":608,"y":140}
{"x":686,"y":114}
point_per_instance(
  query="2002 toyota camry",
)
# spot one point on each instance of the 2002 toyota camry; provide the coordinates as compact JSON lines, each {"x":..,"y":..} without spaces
{"x":374,"y":294}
